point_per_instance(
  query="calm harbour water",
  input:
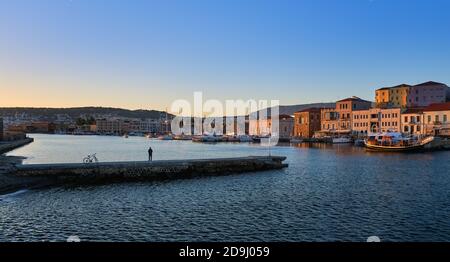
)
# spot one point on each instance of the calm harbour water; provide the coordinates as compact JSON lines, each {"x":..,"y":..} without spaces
{"x":328,"y":193}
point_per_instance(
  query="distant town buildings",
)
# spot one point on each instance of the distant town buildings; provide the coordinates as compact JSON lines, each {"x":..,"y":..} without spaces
{"x":33,"y":127}
{"x":122,"y":126}
{"x":421,"y":109}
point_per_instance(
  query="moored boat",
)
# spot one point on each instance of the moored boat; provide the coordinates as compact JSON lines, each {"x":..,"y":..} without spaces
{"x":341,"y":140}
{"x":165,"y":137}
{"x":396,"y":142}
{"x":207,"y":138}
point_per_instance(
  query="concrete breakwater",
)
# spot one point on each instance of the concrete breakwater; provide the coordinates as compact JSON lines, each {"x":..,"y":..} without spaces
{"x":9,"y":146}
{"x":144,"y":170}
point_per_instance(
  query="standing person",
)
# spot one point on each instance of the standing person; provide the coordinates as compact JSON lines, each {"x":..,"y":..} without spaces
{"x":150,"y":154}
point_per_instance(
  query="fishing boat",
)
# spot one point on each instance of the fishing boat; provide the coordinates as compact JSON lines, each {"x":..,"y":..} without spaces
{"x":396,"y":142}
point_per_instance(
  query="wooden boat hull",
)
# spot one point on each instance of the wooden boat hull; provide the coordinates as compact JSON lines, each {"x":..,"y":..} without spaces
{"x":411,"y":148}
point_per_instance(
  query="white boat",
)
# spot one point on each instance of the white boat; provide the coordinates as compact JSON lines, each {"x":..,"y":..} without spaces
{"x":341,"y":140}
{"x":207,"y":139}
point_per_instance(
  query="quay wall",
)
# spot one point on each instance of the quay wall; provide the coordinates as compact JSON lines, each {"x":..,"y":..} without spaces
{"x":146,"y":170}
{"x":11,"y":145}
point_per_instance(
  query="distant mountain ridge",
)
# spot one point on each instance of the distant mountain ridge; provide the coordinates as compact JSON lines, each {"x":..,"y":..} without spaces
{"x":75,"y":112}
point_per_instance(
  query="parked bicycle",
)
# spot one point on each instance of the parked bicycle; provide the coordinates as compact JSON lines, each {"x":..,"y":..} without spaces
{"x":90,"y":159}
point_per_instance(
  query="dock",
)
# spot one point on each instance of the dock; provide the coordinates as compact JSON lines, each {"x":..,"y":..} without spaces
{"x":145,"y":170}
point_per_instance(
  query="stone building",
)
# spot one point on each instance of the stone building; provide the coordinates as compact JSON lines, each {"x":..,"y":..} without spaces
{"x":306,"y":122}
{"x":376,"y":120}
{"x":339,"y":119}
{"x":436,"y":118}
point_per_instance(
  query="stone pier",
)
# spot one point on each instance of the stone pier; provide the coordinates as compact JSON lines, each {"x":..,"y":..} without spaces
{"x":145,"y":170}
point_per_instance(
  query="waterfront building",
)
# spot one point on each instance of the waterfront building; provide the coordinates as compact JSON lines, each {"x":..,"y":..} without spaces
{"x":376,"y":120}
{"x":428,"y":93}
{"x":396,"y":96}
{"x":436,"y":118}
{"x":412,"y":121}
{"x":122,"y":126}
{"x":33,"y":127}
{"x":406,"y":96}
{"x":382,"y":97}
{"x":263,"y":127}
{"x":109,"y":126}
{"x":339,"y":119}
{"x":150,"y":126}
{"x":307,"y":122}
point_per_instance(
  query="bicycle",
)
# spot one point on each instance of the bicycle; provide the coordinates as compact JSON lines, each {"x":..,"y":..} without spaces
{"x":90,"y":159}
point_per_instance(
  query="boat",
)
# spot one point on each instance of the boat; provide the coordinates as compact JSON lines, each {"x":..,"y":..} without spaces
{"x":165,"y":137}
{"x":296,"y":140}
{"x":341,"y":140}
{"x":207,"y":138}
{"x":182,"y":137}
{"x":231,"y":138}
{"x":359,"y":142}
{"x":396,"y":142}
{"x":245,"y":138}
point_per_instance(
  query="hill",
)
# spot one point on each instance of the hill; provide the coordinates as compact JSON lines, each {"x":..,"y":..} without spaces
{"x":75,"y":112}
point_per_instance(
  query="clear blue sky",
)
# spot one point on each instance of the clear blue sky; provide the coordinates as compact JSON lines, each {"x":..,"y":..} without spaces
{"x":145,"y":54}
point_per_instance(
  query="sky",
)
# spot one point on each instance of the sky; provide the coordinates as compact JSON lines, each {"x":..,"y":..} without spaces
{"x":146,"y":54}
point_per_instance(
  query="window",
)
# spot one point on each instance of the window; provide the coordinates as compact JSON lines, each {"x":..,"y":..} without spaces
{"x":436,"y":118}
{"x":445,"y":119}
{"x":429,"y":119}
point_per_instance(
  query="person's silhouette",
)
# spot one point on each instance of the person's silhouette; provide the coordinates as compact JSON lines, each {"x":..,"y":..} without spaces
{"x":150,"y":154}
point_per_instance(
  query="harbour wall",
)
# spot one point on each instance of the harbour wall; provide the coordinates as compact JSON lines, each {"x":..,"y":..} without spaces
{"x":145,"y":170}
{"x":11,"y":145}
